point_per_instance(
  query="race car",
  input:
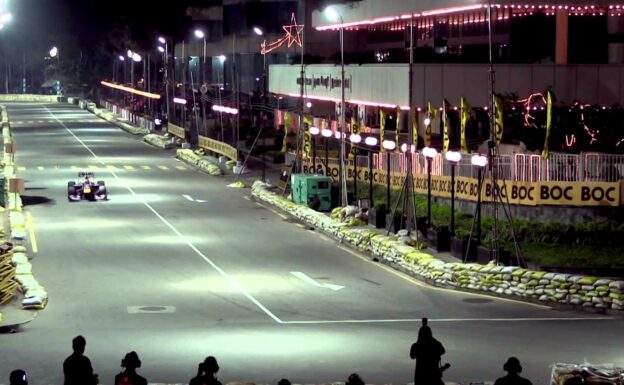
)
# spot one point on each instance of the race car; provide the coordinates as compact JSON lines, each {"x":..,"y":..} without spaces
{"x":85,"y":188}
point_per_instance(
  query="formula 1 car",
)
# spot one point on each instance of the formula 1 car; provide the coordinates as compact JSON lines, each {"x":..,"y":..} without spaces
{"x":86,"y":188}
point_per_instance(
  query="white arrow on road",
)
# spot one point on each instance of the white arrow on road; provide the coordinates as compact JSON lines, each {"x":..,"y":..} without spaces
{"x":312,"y":282}
{"x":193,"y":200}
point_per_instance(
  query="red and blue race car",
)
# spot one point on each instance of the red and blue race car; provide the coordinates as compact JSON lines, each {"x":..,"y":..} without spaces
{"x":86,"y":188}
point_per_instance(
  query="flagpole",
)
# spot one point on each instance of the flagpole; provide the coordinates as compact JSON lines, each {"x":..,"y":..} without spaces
{"x":492,"y":145}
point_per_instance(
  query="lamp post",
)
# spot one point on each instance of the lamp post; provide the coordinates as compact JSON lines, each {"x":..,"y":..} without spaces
{"x":480,"y":162}
{"x":429,"y":153}
{"x":372,"y":142}
{"x":258,"y":31}
{"x":453,"y":157}
{"x":326,"y":133}
{"x":389,"y":146}
{"x":355,"y":140}
{"x":333,"y":14}
{"x":162,"y":40}
{"x":314,"y":131}
{"x":201,"y":35}
{"x":222,"y":59}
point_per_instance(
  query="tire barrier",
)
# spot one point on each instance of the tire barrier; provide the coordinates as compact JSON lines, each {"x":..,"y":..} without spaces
{"x":34,"y":295}
{"x":160,"y":141}
{"x":506,"y":281}
{"x":190,"y":157}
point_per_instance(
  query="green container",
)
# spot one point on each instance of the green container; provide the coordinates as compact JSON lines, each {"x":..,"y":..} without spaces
{"x":306,"y":186}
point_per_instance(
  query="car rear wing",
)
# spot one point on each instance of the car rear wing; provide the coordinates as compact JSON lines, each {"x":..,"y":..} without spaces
{"x":83,"y":174}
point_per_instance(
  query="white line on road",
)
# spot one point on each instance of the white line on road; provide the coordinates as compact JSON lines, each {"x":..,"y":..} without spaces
{"x":366,"y":321}
{"x":225,"y":275}
{"x":312,"y":282}
{"x":193,"y":199}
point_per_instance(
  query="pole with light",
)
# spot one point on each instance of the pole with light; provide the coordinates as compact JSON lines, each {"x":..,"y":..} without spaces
{"x":162,"y":40}
{"x":429,"y":153}
{"x":122,"y":59}
{"x":326,"y":133}
{"x":372,"y":142}
{"x":453,"y":158}
{"x":388,"y":145}
{"x":4,"y":19}
{"x":201,"y":35}
{"x":221,"y":60}
{"x":314,"y":131}
{"x":258,"y":31}
{"x":333,"y":15}
{"x":480,"y":161}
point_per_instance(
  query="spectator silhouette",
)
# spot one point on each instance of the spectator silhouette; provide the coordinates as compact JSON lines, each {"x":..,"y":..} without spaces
{"x":427,"y":351}
{"x":284,"y":381}
{"x":77,"y":367}
{"x":128,"y":375}
{"x":206,"y":373}
{"x":354,"y":379}
{"x":513,"y":369}
{"x":18,"y":377}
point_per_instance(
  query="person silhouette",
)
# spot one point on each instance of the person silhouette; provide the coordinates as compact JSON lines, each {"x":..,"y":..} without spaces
{"x":206,"y":373}
{"x":354,"y":379}
{"x":128,"y":375}
{"x":77,"y":367}
{"x":284,"y":381}
{"x":18,"y":377}
{"x":427,"y":351}
{"x":513,"y":369}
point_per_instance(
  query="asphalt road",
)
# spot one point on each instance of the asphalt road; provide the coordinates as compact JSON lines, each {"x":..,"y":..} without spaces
{"x":229,"y":278}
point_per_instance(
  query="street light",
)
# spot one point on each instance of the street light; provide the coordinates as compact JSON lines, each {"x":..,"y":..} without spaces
{"x":453,"y":157}
{"x":388,"y":145}
{"x":333,"y":15}
{"x":480,"y":162}
{"x":53,"y":52}
{"x":5,"y":18}
{"x":161,"y":49}
{"x":201,"y":35}
{"x":162,"y":40}
{"x":258,"y":31}
{"x":221,"y":60}
{"x":429,"y":153}
{"x":314,"y":131}
{"x":326,"y":133}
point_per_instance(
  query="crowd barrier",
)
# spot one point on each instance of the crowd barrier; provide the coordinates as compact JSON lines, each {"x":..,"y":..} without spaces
{"x":128,"y":115}
{"x":30,"y":98}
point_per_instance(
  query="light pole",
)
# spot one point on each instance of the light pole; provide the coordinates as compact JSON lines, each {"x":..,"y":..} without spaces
{"x":222,"y":61}
{"x":162,"y":40}
{"x":453,"y":157}
{"x":388,"y":145}
{"x":429,"y":153}
{"x":333,"y":15}
{"x":201,"y":35}
{"x":355,"y":140}
{"x":314,"y":131}
{"x":326,"y":133}
{"x":258,"y":31}
{"x":480,"y":161}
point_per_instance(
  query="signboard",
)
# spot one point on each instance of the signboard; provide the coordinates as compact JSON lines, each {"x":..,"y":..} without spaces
{"x":16,"y":185}
{"x":579,"y":194}
{"x":218,"y":147}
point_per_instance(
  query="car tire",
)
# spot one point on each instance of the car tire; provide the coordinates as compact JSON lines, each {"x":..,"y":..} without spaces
{"x":102,"y":192}
{"x":101,"y":183}
{"x":71,"y":190}
{"x":71,"y":184}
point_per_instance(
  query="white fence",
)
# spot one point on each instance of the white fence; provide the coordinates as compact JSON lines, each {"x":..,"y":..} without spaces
{"x":585,"y":167}
{"x":128,"y":115}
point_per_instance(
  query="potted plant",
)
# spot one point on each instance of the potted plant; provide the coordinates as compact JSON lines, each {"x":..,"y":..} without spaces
{"x":397,"y":220}
{"x":459,"y":246}
{"x":439,"y":238}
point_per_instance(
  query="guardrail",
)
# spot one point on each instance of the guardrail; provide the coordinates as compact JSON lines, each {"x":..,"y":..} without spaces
{"x":30,"y":98}
{"x":128,"y":115}
{"x":175,"y":130}
{"x":218,"y":147}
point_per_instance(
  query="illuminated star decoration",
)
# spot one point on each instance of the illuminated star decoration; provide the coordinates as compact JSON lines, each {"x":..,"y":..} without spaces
{"x":293,"y":36}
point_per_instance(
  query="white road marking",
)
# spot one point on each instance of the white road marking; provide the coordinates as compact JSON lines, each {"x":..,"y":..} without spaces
{"x":539,"y":319}
{"x":145,"y":309}
{"x":225,"y":275}
{"x":312,"y":282}
{"x":193,"y":199}
{"x":247,"y":198}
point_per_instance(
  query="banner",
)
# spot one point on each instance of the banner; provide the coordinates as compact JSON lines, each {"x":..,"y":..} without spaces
{"x":498,"y":119}
{"x":577,"y":194}
{"x":549,"y":102}
{"x":355,"y":129}
{"x":307,"y":136}
{"x":446,"y":140}
{"x":415,"y":126}
{"x":432,"y":114}
{"x":464,"y":115}
{"x":398,"y":130}
{"x":287,"y":123}
{"x":382,"y":128}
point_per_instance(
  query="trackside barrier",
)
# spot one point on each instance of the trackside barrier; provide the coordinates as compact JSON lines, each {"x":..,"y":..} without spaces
{"x":30,"y":98}
{"x":175,"y":130}
{"x":128,"y":115}
{"x":218,"y":147}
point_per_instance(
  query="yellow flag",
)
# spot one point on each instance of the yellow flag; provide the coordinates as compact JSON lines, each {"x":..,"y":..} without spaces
{"x":446,"y":140}
{"x":549,"y":102}
{"x":464,"y":115}
{"x":398,"y":129}
{"x":287,"y":123}
{"x":498,"y":118}
{"x":432,"y":114}
{"x":382,"y":129}
{"x":307,"y":136}
{"x":415,"y":126}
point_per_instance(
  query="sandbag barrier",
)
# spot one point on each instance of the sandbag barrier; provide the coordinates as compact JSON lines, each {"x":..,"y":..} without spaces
{"x":190,"y":157}
{"x":111,"y":118}
{"x":160,"y":141}
{"x":34,"y":295}
{"x":508,"y":281}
